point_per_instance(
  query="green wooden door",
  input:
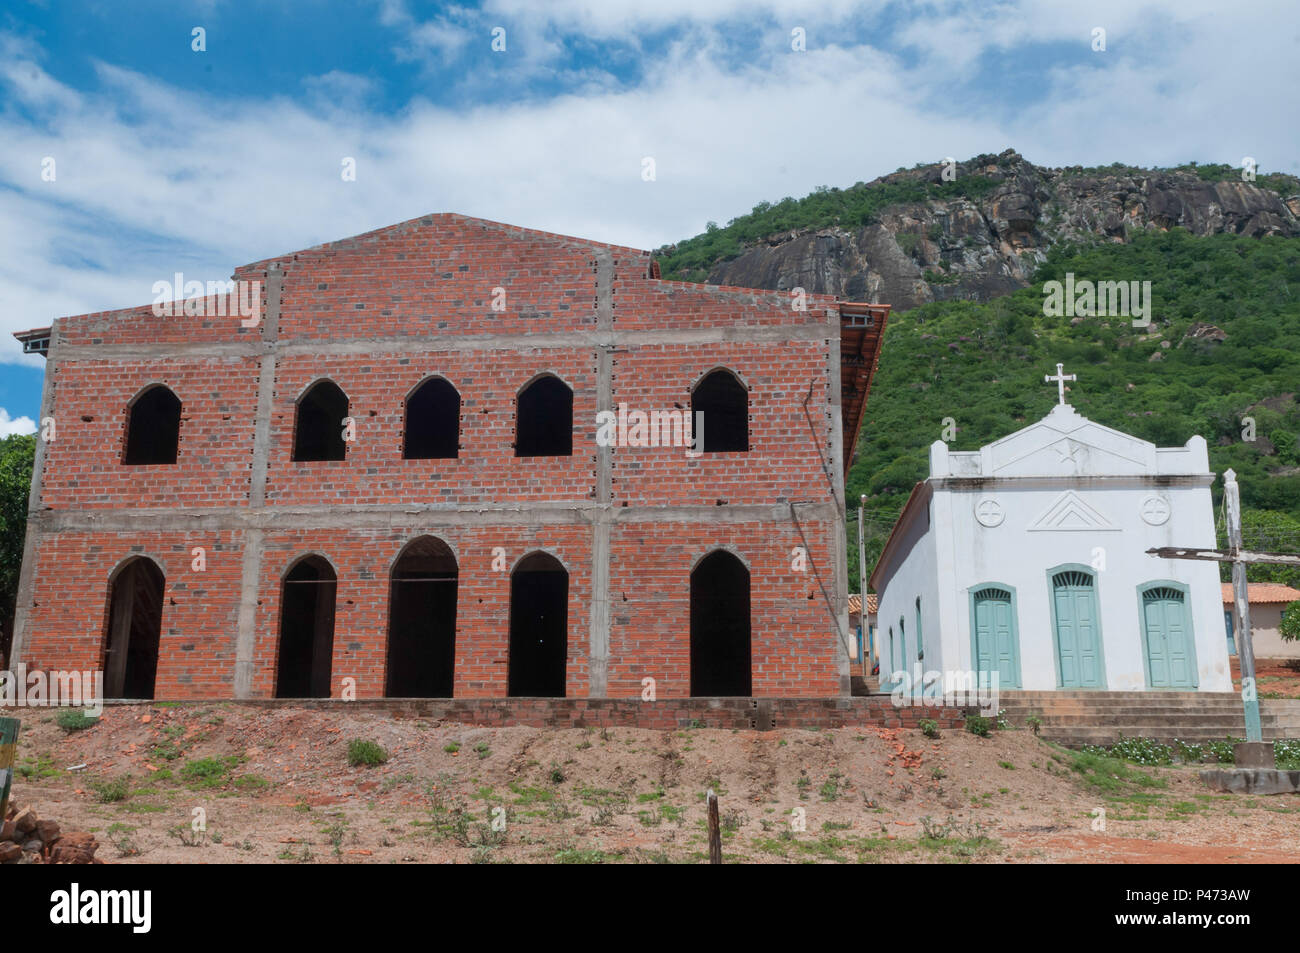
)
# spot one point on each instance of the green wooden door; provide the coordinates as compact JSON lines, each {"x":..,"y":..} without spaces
{"x":1078,"y":631}
{"x":996,"y":644}
{"x":1171,"y":655}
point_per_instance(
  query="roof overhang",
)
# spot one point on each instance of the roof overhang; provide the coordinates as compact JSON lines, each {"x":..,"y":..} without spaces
{"x":35,"y":341}
{"x":862,"y":329}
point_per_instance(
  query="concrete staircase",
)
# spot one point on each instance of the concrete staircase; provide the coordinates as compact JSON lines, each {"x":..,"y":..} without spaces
{"x":1077,"y":718}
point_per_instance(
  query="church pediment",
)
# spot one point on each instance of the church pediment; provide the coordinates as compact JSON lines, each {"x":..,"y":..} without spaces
{"x":1070,"y":512}
{"x":1066,"y":444}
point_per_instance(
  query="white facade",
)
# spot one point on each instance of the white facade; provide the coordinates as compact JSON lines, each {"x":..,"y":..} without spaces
{"x":1029,"y":556}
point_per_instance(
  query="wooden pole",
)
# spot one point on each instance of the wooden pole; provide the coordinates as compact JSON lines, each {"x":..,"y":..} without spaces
{"x":1241,"y":613}
{"x":8,"y":752}
{"x":715,"y":830}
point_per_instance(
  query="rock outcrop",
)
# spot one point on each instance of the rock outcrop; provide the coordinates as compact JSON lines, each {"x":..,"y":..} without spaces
{"x":977,"y":249}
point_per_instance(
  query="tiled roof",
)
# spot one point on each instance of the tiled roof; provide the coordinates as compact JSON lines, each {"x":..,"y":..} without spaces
{"x":1261,"y":593}
{"x":855,"y":603}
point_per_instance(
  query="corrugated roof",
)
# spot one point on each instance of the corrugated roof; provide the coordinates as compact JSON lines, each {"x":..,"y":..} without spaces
{"x":1263,"y":593}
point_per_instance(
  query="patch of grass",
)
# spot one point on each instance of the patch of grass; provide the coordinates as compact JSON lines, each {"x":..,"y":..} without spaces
{"x":111,"y":790}
{"x":1007,"y":764}
{"x":365,"y":753}
{"x":575,"y":855}
{"x":451,"y":747}
{"x":482,"y":750}
{"x":251,"y":782}
{"x":142,"y":807}
{"x":1102,"y":773}
{"x":528,"y":796}
{"x":75,"y":719}
{"x":208,"y":772}
{"x":34,"y":769}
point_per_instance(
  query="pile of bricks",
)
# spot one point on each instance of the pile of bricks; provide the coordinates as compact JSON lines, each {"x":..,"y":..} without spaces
{"x":26,"y":839}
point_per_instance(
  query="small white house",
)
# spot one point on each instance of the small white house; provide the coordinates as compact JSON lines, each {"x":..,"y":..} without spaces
{"x":1029,"y":557}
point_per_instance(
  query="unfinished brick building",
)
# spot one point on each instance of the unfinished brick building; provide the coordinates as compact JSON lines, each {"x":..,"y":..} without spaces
{"x":390,"y":480}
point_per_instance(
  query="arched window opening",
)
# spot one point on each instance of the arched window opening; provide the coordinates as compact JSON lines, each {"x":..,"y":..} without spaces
{"x":318,"y":425}
{"x":153,"y":428}
{"x":544,"y":419}
{"x":724,"y":402}
{"x":432,"y":425}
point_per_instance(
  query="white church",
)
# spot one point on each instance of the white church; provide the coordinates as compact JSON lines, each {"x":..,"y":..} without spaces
{"x":1029,"y":557}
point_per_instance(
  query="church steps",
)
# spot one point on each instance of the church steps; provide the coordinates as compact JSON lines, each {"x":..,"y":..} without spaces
{"x":1079,"y":718}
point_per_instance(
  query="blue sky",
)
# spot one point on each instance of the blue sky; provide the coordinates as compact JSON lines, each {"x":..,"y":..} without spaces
{"x":167,"y":158}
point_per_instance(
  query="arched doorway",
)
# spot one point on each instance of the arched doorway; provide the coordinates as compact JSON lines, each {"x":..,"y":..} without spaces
{"x":720,"y":651}
{"x":422,"y":621}
{"x":306,"y":630}
{"x":539,"y":627}
{"x":130,"y":659}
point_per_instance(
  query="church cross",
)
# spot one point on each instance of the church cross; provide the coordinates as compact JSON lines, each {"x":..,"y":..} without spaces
{"x":1060,"y":379}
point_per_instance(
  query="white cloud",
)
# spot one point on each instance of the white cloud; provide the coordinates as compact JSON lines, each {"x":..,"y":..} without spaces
{"x":9,"y":427}
{"x":152,"y":179}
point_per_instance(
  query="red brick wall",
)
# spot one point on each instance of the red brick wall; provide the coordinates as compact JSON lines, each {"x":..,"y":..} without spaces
{"x":410,"y":301}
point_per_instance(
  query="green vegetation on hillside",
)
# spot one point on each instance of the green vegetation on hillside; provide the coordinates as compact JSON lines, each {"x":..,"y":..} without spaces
{"x":983,"y":366}
{"x":858,"y":205}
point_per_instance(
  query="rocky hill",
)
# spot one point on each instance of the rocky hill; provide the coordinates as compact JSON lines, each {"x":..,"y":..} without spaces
{"x":915,"y":237}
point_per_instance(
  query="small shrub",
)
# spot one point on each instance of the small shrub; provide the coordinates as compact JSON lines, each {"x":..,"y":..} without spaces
{"x":1034,"y":723}
{"x":75,"y":719}
{"x":365,"y":753}
{"x":1222,"y":750}
{"x":451,"y":747}
{"x":482,"y":750}
{"x":110,"y":791}
{"x":1287,"y":754}
{"x":929,"y":727}
{"x":978,"y":725}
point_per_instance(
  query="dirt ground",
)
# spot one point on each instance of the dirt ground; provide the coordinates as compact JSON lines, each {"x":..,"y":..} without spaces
{"x":1274,"y":678}
{"x":274,"y":785}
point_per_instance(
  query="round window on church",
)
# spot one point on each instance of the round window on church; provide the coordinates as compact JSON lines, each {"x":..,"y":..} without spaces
{"x":1155,"y":510}
{"x":989,"y":512}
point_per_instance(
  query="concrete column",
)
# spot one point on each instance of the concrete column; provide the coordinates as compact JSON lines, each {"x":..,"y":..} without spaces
{"x":251,"y":566}
{"x":602,"y":516}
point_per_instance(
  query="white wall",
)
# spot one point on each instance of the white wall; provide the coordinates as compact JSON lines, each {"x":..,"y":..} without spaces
{"x":1014,"y":555}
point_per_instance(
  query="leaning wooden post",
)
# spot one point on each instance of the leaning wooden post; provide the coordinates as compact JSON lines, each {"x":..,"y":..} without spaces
{"x":8,"y":751}
{"x":715,"y":830}
{"x":1241,"y":605}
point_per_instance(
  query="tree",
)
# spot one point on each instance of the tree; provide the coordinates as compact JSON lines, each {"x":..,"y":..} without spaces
{"x":17,"y":454}
{"x":1289,"y":628}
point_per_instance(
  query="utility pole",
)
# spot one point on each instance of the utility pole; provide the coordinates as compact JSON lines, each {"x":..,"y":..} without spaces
{"x":1239,"y":558}
{"x":1241,"y":607}
{"x":863,"y":649}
